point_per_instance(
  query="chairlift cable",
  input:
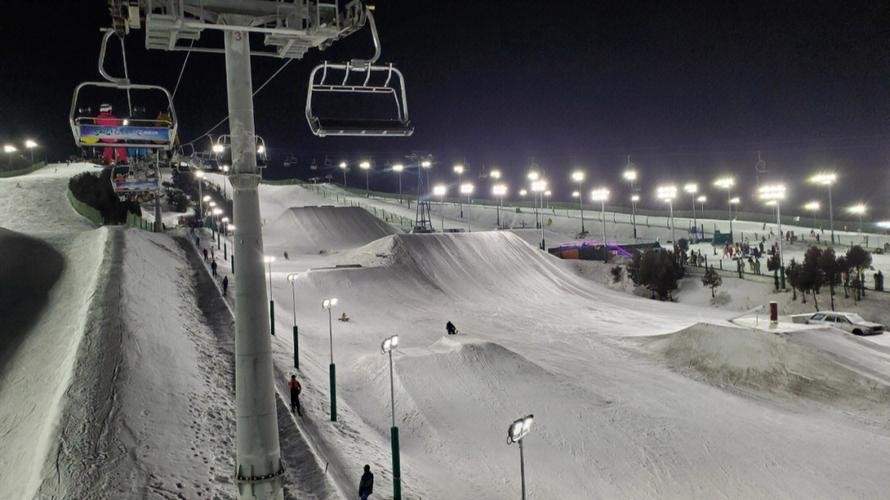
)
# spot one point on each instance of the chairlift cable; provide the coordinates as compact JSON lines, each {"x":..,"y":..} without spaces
{"x":255,"y":92}
{"x":182,"y":70}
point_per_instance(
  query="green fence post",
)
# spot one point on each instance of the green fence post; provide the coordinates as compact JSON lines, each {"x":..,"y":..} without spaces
{"x":296,"y":348}
{"x":396,"y":465}
{"x":272,"y":316}
{"x":333,"y":376}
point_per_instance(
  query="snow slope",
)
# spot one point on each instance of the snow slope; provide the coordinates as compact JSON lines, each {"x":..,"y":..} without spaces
{"x":323,"y":229}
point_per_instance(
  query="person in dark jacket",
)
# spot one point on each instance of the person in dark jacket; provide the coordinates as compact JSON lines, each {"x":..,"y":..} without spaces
{"x":295,"y":389}
{"x":213,"y":267}
{"x":205,"y":254}
{"x":225,"y":285}
{"x":366,"y":485}
{"x":450,"y":328}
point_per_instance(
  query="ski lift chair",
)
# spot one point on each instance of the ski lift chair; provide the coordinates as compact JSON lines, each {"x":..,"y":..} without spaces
{"x":359,"y":78}
{"x":222,"y":147}
{"x":130,"y":132}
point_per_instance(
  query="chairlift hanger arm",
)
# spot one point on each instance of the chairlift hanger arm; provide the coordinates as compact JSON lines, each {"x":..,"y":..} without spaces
{"x":369,"y":16}
{"x":102,"y":51}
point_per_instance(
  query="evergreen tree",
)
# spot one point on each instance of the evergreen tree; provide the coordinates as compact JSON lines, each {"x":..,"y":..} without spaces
{"x":792,"y":275}
{"x":812,"y":277}
{"x":859,"y":259}
{"x":828,"y":262}
{"x":712,"y":280}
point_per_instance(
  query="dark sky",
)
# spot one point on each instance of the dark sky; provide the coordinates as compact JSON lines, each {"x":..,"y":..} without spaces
{"x":688,"y":89}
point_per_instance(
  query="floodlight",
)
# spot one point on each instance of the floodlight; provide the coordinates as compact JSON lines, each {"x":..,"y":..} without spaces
{"x":440,"y":190}
{"x":630,"y":175}
{"x":858,"y":209}
{"x":812,"y":206}
{"x":691,"y":188}
{"x":634,"y":198}
{"x":495,"y":174}
{"x":519,"y":429}
{"x":824,"y":178}
{"x":9,"y":148}
{"x":199,"y":174}
{"x":599,"y":194}
{"x":218,"y":148}
{"x":666,"y":193}
{"x":772,"y":192}
{"x":702,"y":199}
{"x":398,"y":167}
{"x":577,"y":176}
{"x":30,"y":144}
{"x":364,"y":165}
{"x":343,"y":165}
{"x":328,"y":303}
{"x":499,"y":189}
{"x":466,"y":188}
{"x":458,"y":169}
{"x":725,"y":183}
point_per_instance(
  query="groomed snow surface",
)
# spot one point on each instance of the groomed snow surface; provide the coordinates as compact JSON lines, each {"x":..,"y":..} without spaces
{"x":116,"y":373}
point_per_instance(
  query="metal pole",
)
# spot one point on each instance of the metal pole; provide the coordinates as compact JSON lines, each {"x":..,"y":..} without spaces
{"x":781,"y":256}
{"x":344,"y":177}
{"x":271,"y":302}
{"x":442,"y":210}
{"x":633,"y":215}
{"x":400,"y":188}
{"x":367,"y":183}
{"x":332,"y":369}
{"x":830,"y":214}
{"x":394,"y":437}
{"x":258,"y":465}
{"x":296,"y":331}
{"x":581,"y":205}
{"x":459,"y":201}
{"x":729,"y":202}
{"x":201,"y":200}
{"x":673,"y":236}
{"x":522,"y":467}
{"x":468,"y":214}
{"x":694,"y":223}
{"x":605,"y":245}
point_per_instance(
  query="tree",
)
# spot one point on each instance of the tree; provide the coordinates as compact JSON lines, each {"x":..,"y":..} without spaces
{"x":843,"y":268}
{"x":831,"y":271}
{"x":792,"y":275}
{"x":95,"y":191}
{"x":859,"y":259}
{"x":616,"y":274}
{"x":657,"y":270}
{"x":712,"y":280}
{"x":812,"y":277}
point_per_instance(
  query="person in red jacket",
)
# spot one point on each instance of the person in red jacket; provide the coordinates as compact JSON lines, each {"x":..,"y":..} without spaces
{"x":295,"y":389}
{"x":106,"y":118}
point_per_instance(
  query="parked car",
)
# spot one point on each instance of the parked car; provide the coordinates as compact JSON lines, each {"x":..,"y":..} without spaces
{"x":849,"y":322}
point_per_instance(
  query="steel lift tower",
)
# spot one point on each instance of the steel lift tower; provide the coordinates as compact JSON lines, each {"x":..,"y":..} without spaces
{"x":288,"y":29}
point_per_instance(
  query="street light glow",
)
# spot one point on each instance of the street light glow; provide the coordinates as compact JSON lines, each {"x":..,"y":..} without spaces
{"x":268,"y":259}
{"x":812,"y":206}
{"x":577,"y":176}
{"x":199,"y":174}
{"x":217,"y":211}
{"x":725,"y":183}
{"x":206,"y":198}
{"x":772,"y":192}
{"x":458,"y":169}
{"x":735,"y":201}
{"x":824,"y":178}
{"x":666,"y":193}
{"x":575,"y":194}
{"x":466,"y":188}
{"x":499,"y":189}
{"x":9,"y":148}
{"x":426,"y":164}
{"x":218,"y":148}
{"x":691,"y":188}
{"x":364,"y":165}
{"x":440,"y":190}
{"x":547,"y":193}
{"x":225,"y":219}
{"x":225,"y":168}
{"x":533,"y":176}
{"x":630,"y":175}
{"x":634,"y":198}
{"x":495,"y":174}
{"x":261,"y":149}
{"x":519,"y":429}
{"x":858,"y":209}
{"x":702,"y":199}
{"x":523,"y":192}
{"x":328,"y":303}
{"x":539,"y":185}
{"x":398,"y":167}
{"x":30,"y":144}
{"x":389,"y":344}
{"x":599,"y":194}
{"x":343,"y":165}
{"x":212,"y":204}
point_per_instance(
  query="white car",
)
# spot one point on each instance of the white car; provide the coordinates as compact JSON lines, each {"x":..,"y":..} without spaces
{"x":849,"y":322}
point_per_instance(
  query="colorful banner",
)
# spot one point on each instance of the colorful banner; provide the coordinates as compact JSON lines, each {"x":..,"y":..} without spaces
{"x":125,"y":133}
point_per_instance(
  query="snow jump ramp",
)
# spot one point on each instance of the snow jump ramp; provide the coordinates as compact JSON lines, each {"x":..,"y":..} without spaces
{"x":323,"y":229}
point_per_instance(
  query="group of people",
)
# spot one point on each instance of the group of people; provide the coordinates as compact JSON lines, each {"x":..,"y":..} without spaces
{"x":210,"y":258}
{"x":106,"y":118}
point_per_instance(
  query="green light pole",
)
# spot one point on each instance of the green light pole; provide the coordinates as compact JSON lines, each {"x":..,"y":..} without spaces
{"x":292,"y":278}
{"x":387,"y":346}
{"x":329,"y":305}
{"x":269,"y":260}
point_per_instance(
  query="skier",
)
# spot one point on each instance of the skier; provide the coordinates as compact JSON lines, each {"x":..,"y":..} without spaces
{"x":106,"y":118}
{"x":213,"y":267}
{"x":225,"y":285}
{"x":205,"y":254}
{"x":343,"y":317}
{"x":285,"y":256}
{"x":295,"y":389}
{"x":366,"y":485}
{"x":450,"y":328}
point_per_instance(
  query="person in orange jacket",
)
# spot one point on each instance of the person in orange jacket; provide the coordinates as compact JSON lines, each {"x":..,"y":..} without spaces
{"x":295,"y":389}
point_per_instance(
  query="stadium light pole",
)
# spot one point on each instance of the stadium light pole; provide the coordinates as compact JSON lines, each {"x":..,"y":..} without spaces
{"x":9,"y":149}
{"x":216,"y":213}
{"x":269,"y":259}
{"x":859,"y":210}
{"x":578,"y":176}
{"x":386,"y":347}
{"x":398,"y":168}
{"x":343,"y":168}
{"x":774,"y":194}
{"x":533,"y":177}
{"x":701,"y":201}
{"x":692,"y":188}
{"x":467,"y":189}
{"x":827,"y":179}
{"x":499,"y":190}
{"x":292,"y":278}
{"x":495,"y":174}
{"x":727,"y":183}
{"x":30,"y":144}
{"x":668,"y":193}
{"x":199,"y":177}
{"x":424,"y":165}
{"x":441,"y":190}
{"x":539,"y":186}
{"x":459,"y":170}
{"x":630,"y":175}
{"x":366,"y":166}
{"x":515,"y":434}
{"x":329,"y":305}
{"x":601,"y":195}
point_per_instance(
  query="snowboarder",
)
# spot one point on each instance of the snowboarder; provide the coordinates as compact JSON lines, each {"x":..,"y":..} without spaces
{"x":213,"y":268}
{"x":285,"y":256}
{"x":366,"y":485}
{"x":450,"y":328}
{"x":205,"y":254}
{"x":225,"y":285}
{"x":343,"y":317}
{"x":295,"y":389}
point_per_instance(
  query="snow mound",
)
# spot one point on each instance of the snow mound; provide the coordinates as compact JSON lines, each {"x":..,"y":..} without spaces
{"x":323,"y":229}
{"x":817,"y":364}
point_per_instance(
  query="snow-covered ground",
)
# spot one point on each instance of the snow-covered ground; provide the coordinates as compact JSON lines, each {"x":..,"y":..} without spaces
{"x":632,"y":398}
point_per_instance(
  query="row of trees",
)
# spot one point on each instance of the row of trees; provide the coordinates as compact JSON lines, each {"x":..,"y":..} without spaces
{"x":95,"y":191}
{"x":821,"y":267}
{"x":658,"y":271}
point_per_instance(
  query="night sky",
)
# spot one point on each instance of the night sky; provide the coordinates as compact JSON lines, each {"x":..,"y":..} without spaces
{"x":690,"y":91}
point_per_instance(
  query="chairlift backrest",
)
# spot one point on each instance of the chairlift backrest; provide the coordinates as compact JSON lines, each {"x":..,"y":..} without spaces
{"x":359,"y":78}
{"x":136,"y":178}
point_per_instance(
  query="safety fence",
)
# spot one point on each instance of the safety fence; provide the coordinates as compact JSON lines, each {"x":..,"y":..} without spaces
{"x":85,"y":210}
{"x":22,"y":171}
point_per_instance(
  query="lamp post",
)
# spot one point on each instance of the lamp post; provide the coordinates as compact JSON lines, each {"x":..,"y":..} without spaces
{"x":225,"y":170}
{"x":773,"y":194}
{"x":269,"y":259}
{"x":515,"y":434}
{"x":387,"y":346}
{"x":9,"y":149}
{"x":539,"y":186}
{"x":630,"y":175}
{"x":343,"y":168}
{"x":547,"y":195}
{"x":398,"y":168}
{"x":212,"y":207}
{"x":668,"y":193}
{"x":812,"y":207}
{"x":292,"y":278}
{"x":459,"y":170}
{"x":727,"y":183}
{"x":701,"y":201}
{"x":30,"y":145}
{"x":216,"y":213}
{"x":859,"y":210}
{"x":424,"y":165}
{"x":467,"y":189}
{"x":499,"y":190}
{"x":533,"y":178}
{"x":692,"y":189}
{"x":578,"y":176}
{"x":827,"y":179}
{"x":366,"y":166}
{"x":441,"y":190}
{"x":601,"y":195}
{"x":329,"y":305}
